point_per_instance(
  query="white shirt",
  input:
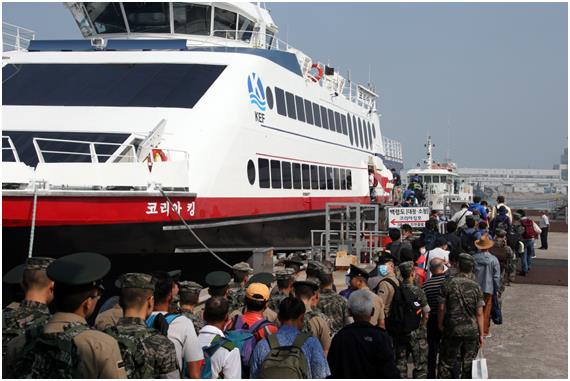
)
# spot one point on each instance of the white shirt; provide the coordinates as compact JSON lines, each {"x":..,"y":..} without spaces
{"x":182,"y":334}
{"x":461,"y":216}
{"x":438,"y":252}
{"x":228,"y":363}
{"x":543,"y":223}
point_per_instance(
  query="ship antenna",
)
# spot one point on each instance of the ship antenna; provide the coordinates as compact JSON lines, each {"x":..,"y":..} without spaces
{"x":448,"y":139}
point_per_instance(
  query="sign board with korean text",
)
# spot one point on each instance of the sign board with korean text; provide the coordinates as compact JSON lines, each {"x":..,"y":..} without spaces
{"x":416,"y":217}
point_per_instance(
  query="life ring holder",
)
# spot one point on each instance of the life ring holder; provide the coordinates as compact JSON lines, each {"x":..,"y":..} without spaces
{"x":319,"y":75}
{"x":156,"y":155}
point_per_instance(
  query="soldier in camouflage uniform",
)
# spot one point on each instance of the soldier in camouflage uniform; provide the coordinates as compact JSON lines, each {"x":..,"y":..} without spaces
{"x":284,"y":285}
{"x":236,"y":292}
{"x":315,"y":323}
{"x":460,"y":318}
{"x":507,"y":258}
{"x":33,"y":310}
{"x":189,"y":296}
{"x":331,"y":304}
{"x":414,"y":342}
{"x":145,"y":351}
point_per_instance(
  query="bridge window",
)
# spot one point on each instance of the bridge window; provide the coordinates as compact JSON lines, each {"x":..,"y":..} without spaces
{"x":360,"y":133}
{"x":367,"y":143}
{"x":324,"y":118}
{"x":331,"y":120}
{"x":245,"y":27}
{"x":369,"y":133}
{"x":148,"y":17}
{"x":330,"y":183}
{"x":192,"y":18}
{"x":348,"y":179}
{"x":286,"y":169}
{"x":374,"y":130}
{"x":343,"y":179}
{"x":344,"y":131}
{"x":300,"y":108}
{"x":263,"y":165}
{"x":336,"y":178}
{"x":225,"y":23}
{"x":296,"y":176}
{"x":280,"y":98}
{"x":338,"y":122}
{"x":435,"y":179}
{"x":317,"y":114}
{"x":106,"y":17}
{"x":314,"y":177}
{"x":322,"y":178}
{"x":309,"y":111}
{"x":275,"y":174}
{"x":306,"y":176}
{"x":354,"y":125}
{"x":350,"y":130}
{"x":290,"y":98}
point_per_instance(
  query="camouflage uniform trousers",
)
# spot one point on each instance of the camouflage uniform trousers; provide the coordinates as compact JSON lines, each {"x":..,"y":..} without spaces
{"x":414,"y":343}
{"x":511,"y":266}
{"x":456,"y":348}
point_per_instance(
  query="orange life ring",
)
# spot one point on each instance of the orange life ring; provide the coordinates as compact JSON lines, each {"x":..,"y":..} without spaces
{"x":158,"y":155}
{"x":320,"y":72}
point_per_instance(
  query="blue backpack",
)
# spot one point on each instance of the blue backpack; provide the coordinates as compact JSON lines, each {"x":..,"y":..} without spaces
{"x":161,"y":323}
{"x":209,"y":350}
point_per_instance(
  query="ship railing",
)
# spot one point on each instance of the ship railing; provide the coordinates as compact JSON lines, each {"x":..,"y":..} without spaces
{"x":10,"y":148}
{"x":127,"y":154}
{"x":15,"y":37}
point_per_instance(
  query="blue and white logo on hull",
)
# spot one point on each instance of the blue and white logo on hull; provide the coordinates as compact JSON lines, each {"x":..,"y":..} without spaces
{"x":256,"y":92}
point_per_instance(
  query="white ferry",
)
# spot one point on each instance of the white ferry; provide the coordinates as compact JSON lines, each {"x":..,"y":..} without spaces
{"x":195,"y":109}
{"x":442,"y":185}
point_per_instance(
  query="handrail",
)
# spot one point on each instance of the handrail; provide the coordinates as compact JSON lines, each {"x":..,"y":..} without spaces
{"x":92,"y":151}
{"x":12,"y":148}
{"x":16,"y":37}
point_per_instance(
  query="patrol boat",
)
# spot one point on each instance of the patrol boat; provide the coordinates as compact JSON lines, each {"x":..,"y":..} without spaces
{"x":174,"y":114}
{"x":442,"y":185}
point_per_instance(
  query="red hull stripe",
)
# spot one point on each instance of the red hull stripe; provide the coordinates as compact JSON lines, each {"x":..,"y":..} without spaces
{"x":59,"y":211}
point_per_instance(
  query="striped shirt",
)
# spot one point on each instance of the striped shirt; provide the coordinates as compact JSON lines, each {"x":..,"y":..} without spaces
{"x":432,"y":289}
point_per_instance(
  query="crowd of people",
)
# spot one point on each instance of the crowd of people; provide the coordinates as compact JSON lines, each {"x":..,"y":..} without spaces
{"x":427,"y":305}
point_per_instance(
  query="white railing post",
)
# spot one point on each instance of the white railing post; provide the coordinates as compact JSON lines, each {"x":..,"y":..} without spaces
{"x":94,"y":158}
{"x":17,"y":38}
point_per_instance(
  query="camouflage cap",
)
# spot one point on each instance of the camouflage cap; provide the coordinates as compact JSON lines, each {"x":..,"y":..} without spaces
{"x":406,"y":268}
{"x":314,"y":279}
{"x":314,"y":267}
{"x":309,"y":282}
{"x":136,"y":280}
{"x":500,"y":233}
{"x":38,"y":263}
{"x":466,"y":259}
{"x":284,"y":274}
{"x":190,"y":287}
{"x":325,"y":270}
{"x":243,"y":267}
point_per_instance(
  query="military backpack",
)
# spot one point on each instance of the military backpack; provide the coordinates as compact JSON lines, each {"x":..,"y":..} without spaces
{"x":133,"y":352}
{"x":49,"y":355}
{"x":405,"y":311}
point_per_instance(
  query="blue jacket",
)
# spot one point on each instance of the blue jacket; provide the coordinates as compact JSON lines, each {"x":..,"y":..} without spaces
{"x":482,"y":211}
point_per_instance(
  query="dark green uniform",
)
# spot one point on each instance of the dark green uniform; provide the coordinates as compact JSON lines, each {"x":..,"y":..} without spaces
{"x":276,"y":299}
{"x":15,"y":321}
{"x":461,"y":296}
{"x":236,"y":296}
{"x":335,"y":308}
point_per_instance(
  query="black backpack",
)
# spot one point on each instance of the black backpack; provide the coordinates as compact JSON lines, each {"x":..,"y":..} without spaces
{"x":405,"y":311}
{"x":468,"y":241}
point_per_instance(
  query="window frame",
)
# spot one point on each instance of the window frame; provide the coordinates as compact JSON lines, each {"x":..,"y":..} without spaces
{"x":300,"y":111}
{"x":280,"y":101}
{"x":264,"y":183}
{"x":297,"y":177}
{"x":287,"y":181}
{"x":317,"y":115}
{"x":309,"y":111}
{"x":306,"y":180}
{"x":290,"y":102}
{"x":275,"y":170}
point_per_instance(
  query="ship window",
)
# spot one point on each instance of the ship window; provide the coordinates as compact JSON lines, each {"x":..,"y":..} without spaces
{"x":369,"y":133}
{"x":330,"y":184}
{"x":290,"y":98}
{"x":360,"y":133}
{"x":350,"y":130}
{"x":374,"y":130}
{"x":338,"y":122}
{"x":286,"y":168}
{"x":192,"y":18}
{"x":366,"y":142}
{"x":275,"y":174}
{"x":348,"y":179}
{"x":343,"y":179}
{"x":306,"y":176}
{"x":245,"y":27}
{"x":296,"y":176}
{"x":225,"y":23}
{"x":324,"y":118}
{"x":106,"y":17}
{"x":111,"y":85}
{"x":322,"y":178}
{"x":344,"y":130}
{"x":300,"y":108}
{"x":314,"y":177}
{"x":317,"y":114}
{"x":435,"y":179}
{"x":251,"y":172}
{"x":280,"y":98}
{"x":336,"y":178}
{"x":148,"y":17}
{"x":263,"y":165}
{"x":355,"y":127}
{"x":426,"y":179}
{"x":269,"y":95}
{"x":309,"y":111}
{"x":269,"y":38}
{"x":331,"y":120}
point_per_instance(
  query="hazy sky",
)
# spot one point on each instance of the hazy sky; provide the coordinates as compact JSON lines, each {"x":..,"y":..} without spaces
{"x":492,"y":77}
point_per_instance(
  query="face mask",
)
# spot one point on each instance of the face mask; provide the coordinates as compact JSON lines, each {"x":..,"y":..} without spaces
{"x":383,"y":270}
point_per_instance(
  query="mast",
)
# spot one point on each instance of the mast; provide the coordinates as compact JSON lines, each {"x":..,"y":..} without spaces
{"x":428,"y":161}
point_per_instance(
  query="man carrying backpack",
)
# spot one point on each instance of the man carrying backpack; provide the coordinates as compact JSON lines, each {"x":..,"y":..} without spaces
{"x":469,"y":235}
{"x":222,"y":357}
{"x":476,"y":206}
{"x":146,"y":352}
{"x":290,"y":353}
{"x":500,"y":221}
{"x":178,"y":328}
{"x":530,"y":233}
{"x":407,"y":324}
{"x":189,"y":296}
{"x":66,"y":347}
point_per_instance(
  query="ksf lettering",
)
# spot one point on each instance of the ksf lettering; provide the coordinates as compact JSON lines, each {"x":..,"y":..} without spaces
{"x":259,"y":117}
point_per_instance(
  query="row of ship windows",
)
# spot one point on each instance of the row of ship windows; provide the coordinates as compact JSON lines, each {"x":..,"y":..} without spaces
{"x":278,"y":174}
{"x":359,"y":131}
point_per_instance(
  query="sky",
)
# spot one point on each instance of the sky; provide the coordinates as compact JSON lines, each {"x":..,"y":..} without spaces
{"x":488,"y":81}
